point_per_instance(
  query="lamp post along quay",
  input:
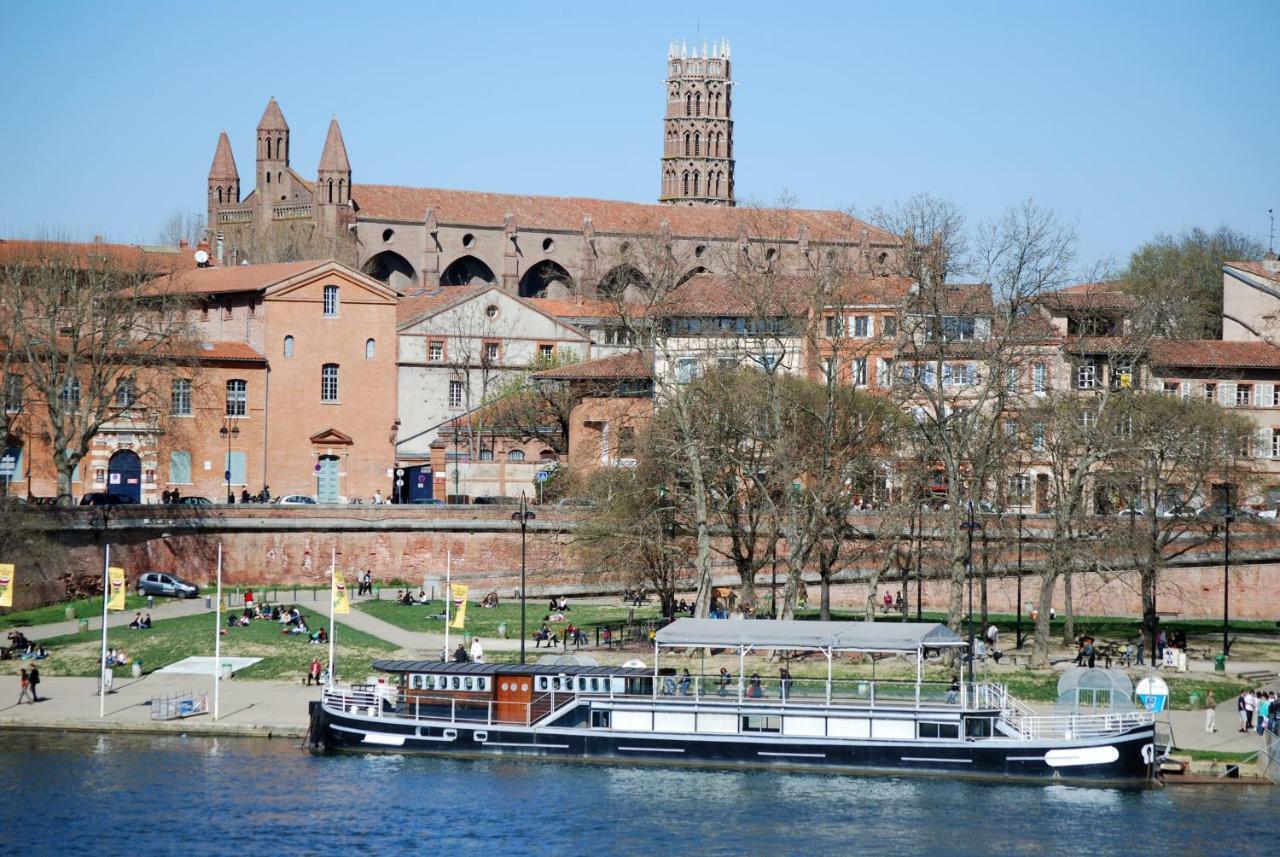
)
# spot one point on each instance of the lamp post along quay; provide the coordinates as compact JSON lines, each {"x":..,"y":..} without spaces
{"x":1226,"y":582}
{"x":523,"y":516}
{"x":1018,"y":628}
{"x":230,"y":431}
{"x":970,"y":525}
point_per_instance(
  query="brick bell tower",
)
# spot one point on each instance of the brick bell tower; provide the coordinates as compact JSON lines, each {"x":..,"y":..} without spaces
{"x":697,"y":152}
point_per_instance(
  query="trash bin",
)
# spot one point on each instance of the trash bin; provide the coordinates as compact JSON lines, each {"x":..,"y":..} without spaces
{"x":1220,"y":664}
{"x":136,"y":669}
{"x":84,"y":625}
{"x":226,"y":671}
{"x":502,"y":630}
{"x":70,"y":613}
{"x":208,"y":602}
{"x":1194,"y":699}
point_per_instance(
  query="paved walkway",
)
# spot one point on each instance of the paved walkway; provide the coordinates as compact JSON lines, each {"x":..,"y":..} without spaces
{"x":260,"y":708}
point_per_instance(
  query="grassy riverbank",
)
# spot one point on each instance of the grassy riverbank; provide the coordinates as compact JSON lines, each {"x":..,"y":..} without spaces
{"x":484,"y":622}
{"x":84,"y":608}
{"x":284,"y":656}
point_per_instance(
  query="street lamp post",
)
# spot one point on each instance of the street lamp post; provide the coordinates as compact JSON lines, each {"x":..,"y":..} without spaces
{"x":968,"y":563}
{"x":1226,"y":583}
{"x":230,"y":431}
{"x":523,"y":516}
{"x":1018,"y":632}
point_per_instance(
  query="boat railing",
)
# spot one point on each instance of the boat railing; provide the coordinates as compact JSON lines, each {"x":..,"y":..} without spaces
{"x":1019,"y":719}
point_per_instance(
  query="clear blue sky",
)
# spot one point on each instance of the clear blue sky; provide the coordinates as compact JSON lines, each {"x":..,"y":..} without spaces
{"x":1127,"y":118}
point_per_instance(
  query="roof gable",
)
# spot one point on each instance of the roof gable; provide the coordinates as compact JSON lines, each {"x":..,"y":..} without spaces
{"x":331,"y":437}
{"x":380,"y":291}
{"x":417,"y":310}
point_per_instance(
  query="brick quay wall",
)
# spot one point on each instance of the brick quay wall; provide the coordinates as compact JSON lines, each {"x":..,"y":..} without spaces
{"x":292,"y":546}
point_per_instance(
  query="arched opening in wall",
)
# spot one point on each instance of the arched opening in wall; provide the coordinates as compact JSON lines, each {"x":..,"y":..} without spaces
{"x":545,"y":279}
{"x":621,"y":280}
{"x":393,"y":269}
{"x":692,"y":272}
{"x":219,"y":196}
{"x":467,"y":271}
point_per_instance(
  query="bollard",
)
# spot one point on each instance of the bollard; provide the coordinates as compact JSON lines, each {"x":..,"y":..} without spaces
{"x":226,"y":671}
{"x":151,"y":602}
{"x":208,"y":602}
{"x":70,"y":613}
{"x":84,"y":625}
{"x":502,"y":630}
{"x":136,"y":669}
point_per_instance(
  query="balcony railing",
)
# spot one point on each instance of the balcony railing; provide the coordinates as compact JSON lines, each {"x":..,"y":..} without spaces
{"x":291,"y":211}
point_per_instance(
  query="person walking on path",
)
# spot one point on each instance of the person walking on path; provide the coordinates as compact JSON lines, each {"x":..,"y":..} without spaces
{"x":477,"y":651}
{"x":1250,"y":705}
{"x":1210,"y":715}
{"x":25,"y":692}
{"x":1264,"y":711}
{"x":34,"y":680}
{"x":1240,"y":710}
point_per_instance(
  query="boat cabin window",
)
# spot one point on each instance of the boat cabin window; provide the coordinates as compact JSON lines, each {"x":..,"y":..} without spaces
{"x":543,"y":683}
{"x":469,"y":683}
{"x":761,"y":723}
{"x":600,"y":719}
{"x":939,"y":730}
{"x":977,"y":727}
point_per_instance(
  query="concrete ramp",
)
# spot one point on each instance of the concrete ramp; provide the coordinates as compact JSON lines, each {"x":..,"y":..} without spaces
{"x":206,"y":666}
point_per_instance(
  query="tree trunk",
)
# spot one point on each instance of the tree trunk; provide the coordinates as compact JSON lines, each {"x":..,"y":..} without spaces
{"x":1150,"y":621}
{"x":1040,"y":647}
{"x":1068,"y":611}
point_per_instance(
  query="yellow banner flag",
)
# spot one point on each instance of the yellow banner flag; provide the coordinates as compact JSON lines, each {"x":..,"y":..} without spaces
{"x":115,"y":600}
{"x":341,"y":603}
{"x":6,"y":585}
{"x":459,"y":604}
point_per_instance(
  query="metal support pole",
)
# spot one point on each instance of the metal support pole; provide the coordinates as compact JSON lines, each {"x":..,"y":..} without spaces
{"x":524,"y":523}
{"x":1226,"y":587}
{"x":1018,"y":632}
{"x":217,"y":638}
{"x":969,"y":575}
{"x":106,"y":596}
{"x":333,"y":579}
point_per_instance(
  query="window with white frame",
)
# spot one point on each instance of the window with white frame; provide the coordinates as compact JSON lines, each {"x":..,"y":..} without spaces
{"x":832,"y":326}
{"x":1244,"y":395}
{"x":180,"y":397}
{"x":1039,"y":377}
{"x":958,"y":327}
{"x":1274,"y":399}
{"x":370,"y":349}
{"x":330,"y":301}
{"x":491,"y":352}
{"x":435,"y":351}
{"x":1211,"y":392}
{"x":1086,"y":375}
{"x":1011,"y":378}
{"x":546,"y":351}
{"x":828,"y":369}
{"x":860,"y":326}
{"x":1172,"y":389}
{"x":1275,"y":443}
{"x":858,"y":372}
{"x":1088,"y":419}
{"x":1010,"y":430}
{"x":126,"y":393}
{"x":1020,"y":489}
{"x":237,"y":397}
{"x":13,"y":385}
{"x":1037,"y":437}
{"x":686,"y":369}
{"x":288,"y":346}
{"x":889,"y":325}
{"x":329,"y":382}
{"x":455,"y":394}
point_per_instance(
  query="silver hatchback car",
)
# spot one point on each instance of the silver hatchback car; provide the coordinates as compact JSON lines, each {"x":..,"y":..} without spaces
{"x":163,"y":583}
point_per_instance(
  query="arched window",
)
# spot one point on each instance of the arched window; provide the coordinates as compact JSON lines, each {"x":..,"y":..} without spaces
{"x":267,"y":155}
{"x":342,"y":189}
{"x":219,"y":196}
{"x":370,"y":349}
{"x":695,"y":183}
{"x":330,"y":190}
{"x":279,"y":147}
{"x":697,"y":104}
{"x":697,"y":145}
{"x":688,"y":104}
{"x":515,"y":455}
{"x":268,"y":177}
{"x":686,"y":183}
{"x":717,"y":104}
{"x":329,"y":382}
{"x":288,"y":346}
{"x":686,"y":144}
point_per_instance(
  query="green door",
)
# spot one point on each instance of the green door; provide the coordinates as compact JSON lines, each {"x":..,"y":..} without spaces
{"x":327,"y":479}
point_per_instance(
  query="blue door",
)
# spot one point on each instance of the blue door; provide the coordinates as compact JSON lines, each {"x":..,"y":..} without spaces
{"x":327,"y":479}
{"x":124,"y":475}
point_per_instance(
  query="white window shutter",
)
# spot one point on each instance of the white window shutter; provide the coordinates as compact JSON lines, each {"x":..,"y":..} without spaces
{"x":1226,"y":395}
{"x":1262,"y":445}
{"x":871,"y":325}
{"x":1265,"y":394}
{"x":1184,"y":389}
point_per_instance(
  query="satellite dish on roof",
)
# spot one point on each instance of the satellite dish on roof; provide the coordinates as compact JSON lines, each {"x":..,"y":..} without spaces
{"x":202,"y":258}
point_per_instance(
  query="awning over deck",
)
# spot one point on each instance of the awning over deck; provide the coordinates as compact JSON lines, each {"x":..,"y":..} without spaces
{"x":833,"y":636}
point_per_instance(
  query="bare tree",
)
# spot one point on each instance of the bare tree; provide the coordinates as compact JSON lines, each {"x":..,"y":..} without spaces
{"x":179,"y":227}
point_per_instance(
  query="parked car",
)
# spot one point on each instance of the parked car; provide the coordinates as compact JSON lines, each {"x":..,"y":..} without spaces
{"x":106,"y":498}
{"x":297,"y":500}
{"x":496,"y":501}
{"x":575,"y":503}
{"x":194,"y":501}
{"x":163,"y":583}
{"x":427,"y":501}
{"x":1134,"y":513}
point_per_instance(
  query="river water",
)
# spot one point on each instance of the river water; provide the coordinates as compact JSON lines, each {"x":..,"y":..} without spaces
{"x":91,"y":794}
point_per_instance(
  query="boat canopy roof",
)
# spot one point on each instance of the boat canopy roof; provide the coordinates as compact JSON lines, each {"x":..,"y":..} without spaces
{"x":468,"y":668}
{"x":794,"y":634}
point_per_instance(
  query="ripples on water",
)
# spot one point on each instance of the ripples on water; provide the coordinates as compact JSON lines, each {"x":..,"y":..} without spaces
{"x":130,"y":794}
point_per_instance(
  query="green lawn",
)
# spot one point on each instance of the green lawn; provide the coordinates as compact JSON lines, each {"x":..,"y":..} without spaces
{"x":484,"y":622}
{"x":284,"y":656}
{"x":85,"y":607}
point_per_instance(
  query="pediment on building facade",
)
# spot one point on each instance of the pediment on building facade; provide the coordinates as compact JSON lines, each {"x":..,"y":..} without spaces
{"x":331,"y":271}
{"x":331,"y":437}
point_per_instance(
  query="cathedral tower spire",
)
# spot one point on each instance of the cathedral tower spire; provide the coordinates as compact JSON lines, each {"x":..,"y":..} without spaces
{"x":697,"y":154}
{"x":273,"y":152}
{"x":333,"y":186}
{"x":224,"y":179}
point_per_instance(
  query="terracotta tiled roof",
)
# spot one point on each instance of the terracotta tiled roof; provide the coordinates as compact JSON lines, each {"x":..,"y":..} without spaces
{"x":236,"y":278}
{"x":1089,"y":296}
{"x":579,"y":307}
{"x":1215,"y":354}
{"x":152,"y":259}
{"x":477,"y":208}
{"x":272,"y":119}
{"x":224,"y":163}
{"x":1257,"y":269}
{"x":1101,"y":345}
{"x":633,"y":364}
{"x":965,"y":298}
{"x":334,"y":155}
{"x":237,"y":351}
{"x":420,"y":302}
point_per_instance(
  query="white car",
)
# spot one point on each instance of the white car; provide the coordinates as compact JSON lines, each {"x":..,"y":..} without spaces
{"x":297,"y":500}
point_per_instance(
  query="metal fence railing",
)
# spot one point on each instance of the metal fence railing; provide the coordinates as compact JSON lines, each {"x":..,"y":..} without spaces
{"x":1269,"y":756}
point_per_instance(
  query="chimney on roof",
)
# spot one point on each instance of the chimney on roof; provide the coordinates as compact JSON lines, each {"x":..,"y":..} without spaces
{"x":97,"y":239}
{"x":182,"y":244}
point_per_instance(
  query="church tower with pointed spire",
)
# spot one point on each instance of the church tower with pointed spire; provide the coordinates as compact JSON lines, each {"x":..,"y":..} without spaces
{"x":697,"y":153}
{"x":333,"y":179}
{"x":224,"y":179}
{"x":273,"y":155}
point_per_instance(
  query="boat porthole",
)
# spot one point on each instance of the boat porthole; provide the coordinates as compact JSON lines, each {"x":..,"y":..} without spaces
{"x":524,"y":688}
{"x":504,"y":685}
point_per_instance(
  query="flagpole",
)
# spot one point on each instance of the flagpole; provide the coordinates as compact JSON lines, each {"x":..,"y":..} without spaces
{"x":102,"y":663}
{"x":448,"y":597}
{"x":217,"y":638}
{"x":333,"y":581}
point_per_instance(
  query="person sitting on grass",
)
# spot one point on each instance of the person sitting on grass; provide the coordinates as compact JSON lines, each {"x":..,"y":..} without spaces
{"x":300,"y":628}
{"x":146,"y":623}
{"x":421,"y":597}
{"x":490,"y":600}
{"x":244,"y":621}
{"x":541,"y":635}
{"x":136,"y":623}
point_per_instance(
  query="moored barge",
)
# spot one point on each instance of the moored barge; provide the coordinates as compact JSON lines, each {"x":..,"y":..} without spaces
{"x":653,"y":715}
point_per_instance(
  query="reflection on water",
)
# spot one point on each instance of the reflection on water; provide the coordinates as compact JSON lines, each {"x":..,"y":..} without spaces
{"x":118,"y":794}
